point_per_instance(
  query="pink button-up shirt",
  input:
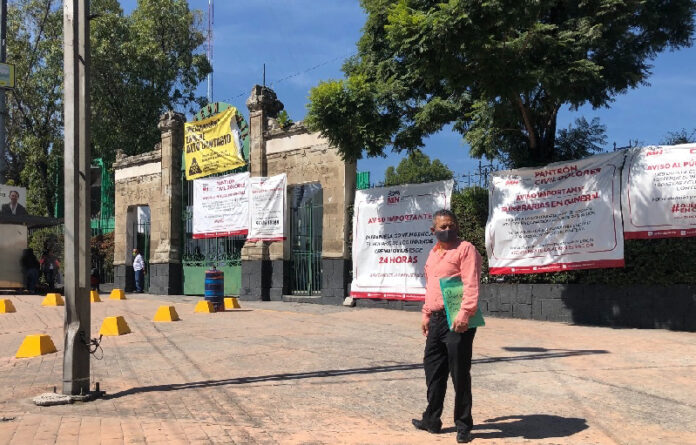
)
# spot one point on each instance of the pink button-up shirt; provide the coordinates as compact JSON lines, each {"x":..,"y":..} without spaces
{"x":462,"y":260}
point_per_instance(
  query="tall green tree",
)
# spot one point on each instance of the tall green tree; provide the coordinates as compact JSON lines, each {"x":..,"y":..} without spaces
{"x":499,"y":71}
{"x":142,"y":65}
{"x":417,"y":168}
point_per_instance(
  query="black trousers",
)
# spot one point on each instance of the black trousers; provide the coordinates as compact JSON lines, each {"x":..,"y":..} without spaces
{"x":448,"y":352}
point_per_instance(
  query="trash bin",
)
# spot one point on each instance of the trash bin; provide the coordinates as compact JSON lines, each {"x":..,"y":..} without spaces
{"x":215,"y":287}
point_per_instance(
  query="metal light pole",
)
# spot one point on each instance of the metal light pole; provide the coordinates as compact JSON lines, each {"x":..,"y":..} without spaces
{"x":77,"y":200}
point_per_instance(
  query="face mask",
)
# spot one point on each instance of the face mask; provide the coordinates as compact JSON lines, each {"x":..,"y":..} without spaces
{"x":445,"y":236}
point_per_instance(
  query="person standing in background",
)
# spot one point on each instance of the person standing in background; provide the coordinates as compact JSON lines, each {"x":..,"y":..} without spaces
{"x":138,"y":270}
{"x":30,"y":270}
{"x":49,"y":268}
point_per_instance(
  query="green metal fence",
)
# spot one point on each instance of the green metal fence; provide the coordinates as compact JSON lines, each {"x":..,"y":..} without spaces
{"x":306,"y":216}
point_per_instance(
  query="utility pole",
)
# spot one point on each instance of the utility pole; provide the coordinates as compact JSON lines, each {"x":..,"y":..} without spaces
{"x":76,"y":62}
{"x":3,"y":104}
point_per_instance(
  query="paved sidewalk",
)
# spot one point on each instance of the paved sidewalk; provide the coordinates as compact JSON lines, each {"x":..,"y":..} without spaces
{"x":292,"y":373}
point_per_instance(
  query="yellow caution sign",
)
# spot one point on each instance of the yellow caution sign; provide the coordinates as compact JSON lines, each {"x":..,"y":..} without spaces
{"x":212,"y":145}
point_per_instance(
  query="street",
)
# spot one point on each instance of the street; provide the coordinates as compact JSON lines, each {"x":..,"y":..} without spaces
{"x":293,"y":373}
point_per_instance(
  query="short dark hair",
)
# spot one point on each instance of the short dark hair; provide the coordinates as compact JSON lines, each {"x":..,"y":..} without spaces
{"x":14,"y":191}
{"x":445,"y":212}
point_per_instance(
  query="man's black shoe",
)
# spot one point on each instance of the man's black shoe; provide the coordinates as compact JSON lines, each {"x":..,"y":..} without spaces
{"x":425,"y":427}
{"x":464,"y":436}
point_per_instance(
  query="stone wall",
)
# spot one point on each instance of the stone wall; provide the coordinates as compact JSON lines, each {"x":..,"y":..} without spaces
{"x":646,"y":306}
{"x":151,"y":179}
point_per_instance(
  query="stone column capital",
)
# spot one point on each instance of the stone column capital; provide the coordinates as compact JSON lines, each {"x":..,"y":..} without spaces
{"x":264,"y":99}
{"x":171,"y":121}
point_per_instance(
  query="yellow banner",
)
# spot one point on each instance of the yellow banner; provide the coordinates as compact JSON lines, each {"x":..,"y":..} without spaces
{"x":212,"y":145}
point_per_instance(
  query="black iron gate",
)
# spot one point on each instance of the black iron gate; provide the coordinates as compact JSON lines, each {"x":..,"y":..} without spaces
{"x":306,"y":215}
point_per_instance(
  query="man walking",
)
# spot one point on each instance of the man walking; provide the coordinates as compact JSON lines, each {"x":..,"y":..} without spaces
{"x":448,"y":350}
{"x":139,"y":270}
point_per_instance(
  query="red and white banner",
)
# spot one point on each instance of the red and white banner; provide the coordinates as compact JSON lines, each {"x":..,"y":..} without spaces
{"x":221,"y":206}
{"x":563,"y":216}
{"x":267,"y":208}
{"x":659,"y":192}
{"x":392,"y":239}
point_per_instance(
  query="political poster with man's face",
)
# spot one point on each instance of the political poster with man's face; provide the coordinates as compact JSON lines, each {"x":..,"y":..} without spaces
{"x":13,"y":198}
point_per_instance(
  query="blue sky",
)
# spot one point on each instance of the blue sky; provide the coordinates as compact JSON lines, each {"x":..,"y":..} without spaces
{"x":303,"y":42}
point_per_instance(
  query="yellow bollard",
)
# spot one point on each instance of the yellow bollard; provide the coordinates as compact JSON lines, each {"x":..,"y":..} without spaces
{"x":117,"y":294}
{"x":205,"y":307}
{"x":232,"y":303}
{"x":114,"y":326}
{"x":94,"y":296}
{"x":53,"y":300}
{"x":6,"y":306}
{"x":35,"y":345}
{"x":166,"y":313}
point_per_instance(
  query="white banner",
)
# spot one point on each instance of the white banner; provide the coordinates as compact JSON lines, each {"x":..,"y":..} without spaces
{"x":267,"y":208}
{"x":13,"y":200}
{"x":659,"y":192}
{"x":392,"y":239}
{"x":563,"y":216}
{"x":221,"y":206}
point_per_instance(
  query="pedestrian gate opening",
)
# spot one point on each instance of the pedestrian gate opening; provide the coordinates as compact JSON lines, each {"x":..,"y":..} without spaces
{"x":306,"y":215}
{"x":141,"y":240}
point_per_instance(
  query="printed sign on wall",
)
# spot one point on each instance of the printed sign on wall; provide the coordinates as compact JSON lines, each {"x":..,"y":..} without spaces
{"x":659,"y":192}
{"x":13,"y":201}
{"x":392,"y":239}
{"x":564,"y":216}
{"x":221,"y":206}
{"x":267,"y":208}
{"x":212,"y":145}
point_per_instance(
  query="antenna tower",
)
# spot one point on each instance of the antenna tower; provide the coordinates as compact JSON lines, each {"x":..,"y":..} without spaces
{"x":211,"y":22}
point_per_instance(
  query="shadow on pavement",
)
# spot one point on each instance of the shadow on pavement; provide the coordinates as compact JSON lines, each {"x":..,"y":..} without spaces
{"x":535,"y":426}
{"x":551,"y":353}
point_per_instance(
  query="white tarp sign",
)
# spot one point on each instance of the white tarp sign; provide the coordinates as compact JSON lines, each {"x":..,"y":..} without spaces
{"x":659,"y":192}
{"x":267,"y":208}
{"x":221,"y":206}
{"x":392,"y":239}
{"x":563,"y":216}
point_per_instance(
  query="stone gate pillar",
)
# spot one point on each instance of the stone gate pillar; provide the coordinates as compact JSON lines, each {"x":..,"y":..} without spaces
{"x":262,"y":265}
{"x":165,"y":262}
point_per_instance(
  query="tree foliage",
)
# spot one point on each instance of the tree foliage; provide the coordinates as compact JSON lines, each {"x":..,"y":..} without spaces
{"x":141,"y":65}
{"x":417,"y":168}
{"x":499,"y":71}
{"x":682,"y":136}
